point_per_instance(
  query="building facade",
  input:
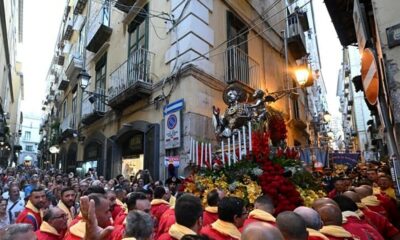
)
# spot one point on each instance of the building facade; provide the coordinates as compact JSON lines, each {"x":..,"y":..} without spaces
{"x":30,"y":138}
{"x":11,"y":79}
{"x":372,"y":25}
{"x":142,"y":56}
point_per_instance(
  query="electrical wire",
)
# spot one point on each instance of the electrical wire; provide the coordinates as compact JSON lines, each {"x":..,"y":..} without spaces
{"x":229,"y":40}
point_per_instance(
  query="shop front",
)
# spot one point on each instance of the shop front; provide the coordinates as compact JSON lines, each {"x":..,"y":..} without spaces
{"x":136,"y":147}
{"x":92,"y":158}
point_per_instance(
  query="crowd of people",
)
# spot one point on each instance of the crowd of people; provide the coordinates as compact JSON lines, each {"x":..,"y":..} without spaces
{"x":36,"y":204}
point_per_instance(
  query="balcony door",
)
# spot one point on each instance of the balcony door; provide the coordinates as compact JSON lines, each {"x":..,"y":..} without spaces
{"x":237,"y":61}
{"x":138,"y":44}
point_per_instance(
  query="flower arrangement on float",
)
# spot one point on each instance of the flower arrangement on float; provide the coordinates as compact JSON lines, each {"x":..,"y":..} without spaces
{"x":253,"y":158}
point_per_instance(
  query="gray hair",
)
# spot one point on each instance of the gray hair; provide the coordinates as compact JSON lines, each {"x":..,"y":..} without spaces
{"x":139,"y":225}
{"x":310,"y":217}
{"x":12,"y":231}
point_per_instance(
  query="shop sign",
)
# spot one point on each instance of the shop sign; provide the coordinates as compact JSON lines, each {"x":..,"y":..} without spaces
{"x":172,"y":160}
{"x":393,"y":35}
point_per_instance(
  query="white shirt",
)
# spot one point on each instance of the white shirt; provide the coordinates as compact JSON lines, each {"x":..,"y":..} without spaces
{"x":6,"y":195}
{"x":14,"y":208}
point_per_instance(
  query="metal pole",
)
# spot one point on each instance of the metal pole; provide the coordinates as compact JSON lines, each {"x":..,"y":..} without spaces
{"x":285,"y":36}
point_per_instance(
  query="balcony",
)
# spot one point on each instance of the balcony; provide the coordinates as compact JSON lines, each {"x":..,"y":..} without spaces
{"x":131,"y":81}
{"x":59,"y":59}
{"x":239,"y":67}
{"x":63,"y":82}
{"x":99,"y":30}
{"x":68,"y":126}
{"x":68,"y":29}
{"x":124,"y":5}
{"x":74,"y":68}
{"x":79,"y":5}
{"x":295,"y":37}
{"x":93,"y":107}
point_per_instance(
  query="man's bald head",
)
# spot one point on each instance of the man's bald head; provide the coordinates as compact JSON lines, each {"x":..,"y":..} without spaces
{"x":363,"y":191}
{"x":310,"y":217}
{"x":261,"y":231}
{"x":330,"y":215}
{"x":353,"y":196}
{"x":292,"y":226}
{"x":321,"y":202}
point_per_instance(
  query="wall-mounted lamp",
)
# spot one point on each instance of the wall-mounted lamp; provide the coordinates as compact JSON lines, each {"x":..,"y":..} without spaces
{"x":84,"y":78}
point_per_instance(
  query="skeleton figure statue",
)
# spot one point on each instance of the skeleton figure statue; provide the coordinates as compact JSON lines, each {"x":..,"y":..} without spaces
{"x":238,"y":112}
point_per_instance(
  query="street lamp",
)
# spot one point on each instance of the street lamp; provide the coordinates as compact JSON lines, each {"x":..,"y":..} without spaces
{"x":83,"y":78}
{"x":302,"y":76}
{"x":55,"y":149}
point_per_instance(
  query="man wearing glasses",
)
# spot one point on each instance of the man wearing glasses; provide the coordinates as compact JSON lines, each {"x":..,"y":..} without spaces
{"x":53,"y":226}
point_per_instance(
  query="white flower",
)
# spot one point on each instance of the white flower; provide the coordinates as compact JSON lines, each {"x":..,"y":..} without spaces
{"x":257,"y":171}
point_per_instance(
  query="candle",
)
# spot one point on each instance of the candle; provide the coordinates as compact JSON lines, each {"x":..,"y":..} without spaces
{"x":193,"y":151}
{"x":197,"y":153}
{"x":250,"y":145}
{"x":209,"y":154}
{"x":201,"y":154}
{"x":205,"y":155}
{"x":244,"y":141}
{"x":240,"y":146}
{"x":229,"y":151}
{"x":233,"y":149}
{"x":223,"y":151}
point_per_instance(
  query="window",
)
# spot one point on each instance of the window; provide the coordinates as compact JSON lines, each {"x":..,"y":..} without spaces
{"x":64,"y":109}
{"x":81,"y":47}
{"x":236,"y":54}
{"x":106,"y":13}
{"x":29,"y":148}
{"x":27,"y":136}
{"x":101,"y":68}
{"x":138,"y":31}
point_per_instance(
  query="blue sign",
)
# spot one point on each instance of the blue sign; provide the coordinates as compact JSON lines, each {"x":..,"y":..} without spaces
{"x":349,"y":159}
{"x":172,"y":121}
{"x":174,"y":106}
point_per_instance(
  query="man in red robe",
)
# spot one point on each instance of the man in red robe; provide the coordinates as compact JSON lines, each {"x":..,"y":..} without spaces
{"x":263,"y":210}
{"x":381,"y":223}
{"x":159,"y":205}
{"x":331,"y":216}
{"x":313,"y":222}
{"x":188,"y":214}
{"x":340,"y":187}
{"x":261,"y":231}
{"x":210,"y":214}
{"x":166,"y":221}
{"x":368,"y":199}
{"x":31,"y":213}
{"x":67,"y":203}
{"x":231,"y":216}
{"x":53,"y":226}
{"x":103,"y":216}
{"x":352,"y":221}
{"x":116,"y":204}
{"x":135,"y":201}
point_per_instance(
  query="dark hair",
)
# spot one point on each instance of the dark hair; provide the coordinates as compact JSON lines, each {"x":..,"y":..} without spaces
{"x":94,"y":189}
{"x":188,"y":210}
{"x":37,"y":189}
{"x":345,"y":203}
{"x":159,"y":192}
{"x":291,"y":225}
{"x":139,"y":225}
{"x":132,"y":198}
{"x":229,"y":207}
{"x":48,"y":214}
{"x":265,"y":200}
{"x":66,"y":189}
{"x":213,"y":198}
{"x":96,"y":198}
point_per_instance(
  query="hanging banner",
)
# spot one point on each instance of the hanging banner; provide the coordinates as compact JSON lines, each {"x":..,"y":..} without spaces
{"x":369,"y":75}
{"x":349,"y":159}
{"x":172,"y":130}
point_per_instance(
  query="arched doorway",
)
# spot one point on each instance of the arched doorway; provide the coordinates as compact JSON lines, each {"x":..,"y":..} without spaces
{"x":92,"y":157}
{"x":136,"y":147}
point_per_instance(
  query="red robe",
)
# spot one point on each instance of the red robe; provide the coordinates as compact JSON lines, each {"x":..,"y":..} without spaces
{"x":118,"y":232}
{"x":30,"y":215}
{"x":361,"y":229}
{"x":315,"y":235}
{"x":176,"y":232}
{"x":119,"y":220}
{"x":333,"y":193}
{"x":210,"y":215}
{"x":380,"y":223}
{"x":166,"y":221}
{"x":76,"y":230}
{"x":116,"y":211}
{"x":213,"y":232}
{"x":259,"y":216}
{"x":390,"y":205}
{"x":47,"y":232}
{"x":336,"y":233}
{"x":373,"y":203}
{"x":158,"y":207}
